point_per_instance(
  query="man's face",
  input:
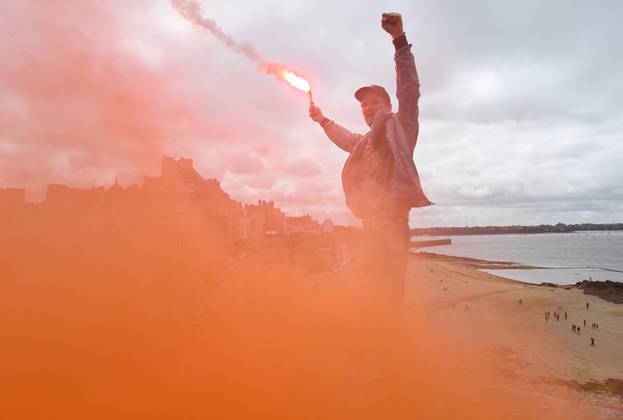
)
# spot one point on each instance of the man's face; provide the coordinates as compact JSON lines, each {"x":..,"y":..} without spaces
{"x":372,"y":103}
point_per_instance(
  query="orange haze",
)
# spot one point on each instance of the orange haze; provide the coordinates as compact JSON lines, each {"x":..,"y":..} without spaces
{"x":151,"y":304}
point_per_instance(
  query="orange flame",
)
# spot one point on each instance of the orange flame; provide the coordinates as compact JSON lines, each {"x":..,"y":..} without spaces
{"x":296,"y":81}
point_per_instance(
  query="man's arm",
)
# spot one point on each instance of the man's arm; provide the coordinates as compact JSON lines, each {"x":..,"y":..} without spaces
{"x":343,"y":138}
{"x":407,"y":82}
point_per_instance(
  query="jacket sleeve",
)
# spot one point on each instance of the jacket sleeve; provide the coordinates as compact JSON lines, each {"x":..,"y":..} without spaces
{"x":343,"y":138}
{"x":407,"y":89}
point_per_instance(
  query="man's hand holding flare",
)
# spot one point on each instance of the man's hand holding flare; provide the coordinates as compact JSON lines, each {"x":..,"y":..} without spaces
{"x":315,"y":113}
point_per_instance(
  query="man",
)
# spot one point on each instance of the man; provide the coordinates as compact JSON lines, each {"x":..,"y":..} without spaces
{"x":379,"y":178}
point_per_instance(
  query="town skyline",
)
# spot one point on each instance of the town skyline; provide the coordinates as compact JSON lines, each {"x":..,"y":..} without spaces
{"x":179,"y":194}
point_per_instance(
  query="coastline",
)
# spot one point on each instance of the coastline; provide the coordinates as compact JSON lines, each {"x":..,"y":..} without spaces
{"x":502,"y":320}
{"x":607,"y":290}
{"x":474,"y":262}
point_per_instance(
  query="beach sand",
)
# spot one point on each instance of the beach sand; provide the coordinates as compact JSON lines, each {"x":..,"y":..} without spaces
{"x":543,"y":361}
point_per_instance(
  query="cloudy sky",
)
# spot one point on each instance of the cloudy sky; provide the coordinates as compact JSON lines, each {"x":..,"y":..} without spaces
{"x":521,"y":111}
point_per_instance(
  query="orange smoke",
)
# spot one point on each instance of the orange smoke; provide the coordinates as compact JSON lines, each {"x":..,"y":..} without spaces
{"x":79,"y":110}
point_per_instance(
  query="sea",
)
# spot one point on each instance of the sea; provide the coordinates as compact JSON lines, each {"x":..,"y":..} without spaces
{"x":562,"y":258}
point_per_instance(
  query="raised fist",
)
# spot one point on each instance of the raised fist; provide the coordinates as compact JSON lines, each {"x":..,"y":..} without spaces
{"x":392,"y":24}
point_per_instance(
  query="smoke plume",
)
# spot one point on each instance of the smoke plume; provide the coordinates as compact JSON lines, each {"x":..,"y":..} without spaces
{"x":191,"y":10}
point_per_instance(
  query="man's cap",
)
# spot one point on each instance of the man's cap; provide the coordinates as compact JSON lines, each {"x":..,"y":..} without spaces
{"x":375,"y":89}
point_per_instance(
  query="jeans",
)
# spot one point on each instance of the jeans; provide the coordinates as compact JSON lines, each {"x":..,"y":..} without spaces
{"x":385,"y":256}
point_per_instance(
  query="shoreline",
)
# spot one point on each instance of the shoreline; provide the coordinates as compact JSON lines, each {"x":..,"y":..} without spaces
{"x":475,"y":262}
{"x":607,"y":290}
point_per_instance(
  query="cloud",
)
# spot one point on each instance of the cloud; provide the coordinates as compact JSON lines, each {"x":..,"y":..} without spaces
{"x":520,"y":108}
{"x":246,"y":164}
{"x":303,"y":167}
{"x":76,"y":102}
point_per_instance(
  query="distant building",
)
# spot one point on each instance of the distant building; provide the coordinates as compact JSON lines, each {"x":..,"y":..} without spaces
{"x":327,"y":226}
{"x":179,"y":176}
{"x":261,"y":220}
{"x":302,"y":225}
{"x":197,"y":205}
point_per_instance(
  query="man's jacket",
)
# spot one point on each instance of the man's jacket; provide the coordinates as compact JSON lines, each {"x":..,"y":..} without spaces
{"x":400,"y":129}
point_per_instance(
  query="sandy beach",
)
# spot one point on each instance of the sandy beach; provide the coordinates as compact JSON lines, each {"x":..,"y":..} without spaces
{"x":543,"y":360}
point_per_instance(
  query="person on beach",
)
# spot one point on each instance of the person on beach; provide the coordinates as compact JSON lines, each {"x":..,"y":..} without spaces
{"x":379,"y":179}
